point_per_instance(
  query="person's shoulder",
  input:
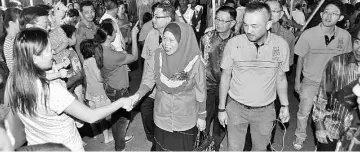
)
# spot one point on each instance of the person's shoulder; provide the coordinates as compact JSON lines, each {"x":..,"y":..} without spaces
{"x":277,"y":39}
{"x":343,"y":32}
{"x":288,"y":33}
{"x":240,"y":38}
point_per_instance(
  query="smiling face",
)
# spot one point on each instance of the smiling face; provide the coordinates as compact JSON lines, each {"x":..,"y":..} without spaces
{"x":88,"y":13}
{"x":170,"y":43}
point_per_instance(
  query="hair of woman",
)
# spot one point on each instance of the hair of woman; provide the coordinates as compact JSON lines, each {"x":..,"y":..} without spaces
{"x":90,"y":48}
{"x":22,"y":89}
{"x":105,"y":29}
{"x":68,"y":29}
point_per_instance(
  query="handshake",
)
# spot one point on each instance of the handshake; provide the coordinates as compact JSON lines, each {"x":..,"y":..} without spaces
{"x":129,"y":102}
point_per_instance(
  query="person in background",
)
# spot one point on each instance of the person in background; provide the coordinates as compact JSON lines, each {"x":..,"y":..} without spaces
{"x":72,"y":17}
{"x":28,"y":88}
{"x":198,"y":12}
{"x":86,"y":27}
{"x":179,"y":75}
{"x":230,"y":3}
{"x":12,"y":26}
{"x":333,"y":125}
{"x":95,"y":94}
{"x":278,"y":29}
{"x":212,"y":45}
{"x":252,"y":76}
{"x":124,"y":23}
{"x":163,"y":14}
{"x":315,"y":47}
{"x":240,"y":14}
{"x":116,"y":78}
{"x":185,"y":13}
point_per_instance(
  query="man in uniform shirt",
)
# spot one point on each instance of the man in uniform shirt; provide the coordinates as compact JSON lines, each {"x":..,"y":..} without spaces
{"x":315,"y":48}
{"x":254,"y":66}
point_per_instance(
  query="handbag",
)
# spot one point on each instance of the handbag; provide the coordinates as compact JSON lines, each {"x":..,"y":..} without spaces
{"x":204,"y":142}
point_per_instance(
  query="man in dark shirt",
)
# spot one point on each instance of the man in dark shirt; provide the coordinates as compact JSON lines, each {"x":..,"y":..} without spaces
{"x":335,"y":110}
{"x":212,"y":45}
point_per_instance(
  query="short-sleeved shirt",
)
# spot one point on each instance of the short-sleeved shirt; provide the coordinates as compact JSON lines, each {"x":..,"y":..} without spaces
{"x":145,"y":30}
{"x":114,"y":73}
{"x":51,"y":124}
{"x":84,"y":32}
{"x":93,"y":78}
{"x":279,"y":30}
{"x":316,"y":53}
{"x":254,"y":71}
{"x":57,"y":36}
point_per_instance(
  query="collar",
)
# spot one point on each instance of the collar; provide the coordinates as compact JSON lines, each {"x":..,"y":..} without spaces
{"x":92,"y":25}
{"x":229,"y":36}
{"x":275,"y":27}
{"x":268,"y":39}
{"x":321,"y":31}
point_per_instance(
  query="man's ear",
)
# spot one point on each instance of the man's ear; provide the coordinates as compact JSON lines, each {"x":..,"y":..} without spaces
{"x":268,"y":25}
{"x":341,"y":18}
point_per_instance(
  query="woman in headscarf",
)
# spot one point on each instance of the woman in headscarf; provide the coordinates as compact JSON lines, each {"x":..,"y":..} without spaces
{"x":176,"y":69}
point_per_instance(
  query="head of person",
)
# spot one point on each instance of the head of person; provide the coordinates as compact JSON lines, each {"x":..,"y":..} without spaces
{"x":76,"y":5}
{"x":332,"y":12}
{"x":230,"y":3}
{"x":183,"y":3}
{"x":70,"y":6}
{"x":7,"y":140}
{"x":105,"y":32}
{"x":72,"y":17}
{"x":257,"y":20}
{"x":147,"y":17}
{"x":225,"y":19}
{"x":276,"y":10}
{"x":32,"y":57}
{"x":87,"y":10}
{"x":356,"y":43}
{"x":70,"y":33}
{"x":122,"y":8}
{"x":90,"y":48}
{"x":163,"y":14}
{"x":11,"y":20}
{"x":193,"y":3}
{"x":243,"y":2}
{"x":16,"y":4}
{"x":111,"y":7}
{"x":35,"y":17}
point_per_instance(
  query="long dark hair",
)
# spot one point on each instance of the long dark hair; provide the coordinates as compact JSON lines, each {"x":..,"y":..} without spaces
{"x":22,"y":88}
{"x":90,"y":48}
{"x":105,"y":29}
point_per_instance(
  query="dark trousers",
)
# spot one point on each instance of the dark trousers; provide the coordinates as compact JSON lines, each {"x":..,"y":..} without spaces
{"x":147,"y":110}
{"x":120,"y":118}
{"x":330,"y":146}
{"x":212,"y":115}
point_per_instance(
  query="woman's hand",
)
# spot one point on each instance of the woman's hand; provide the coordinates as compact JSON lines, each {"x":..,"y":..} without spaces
{"x":201,"y":124}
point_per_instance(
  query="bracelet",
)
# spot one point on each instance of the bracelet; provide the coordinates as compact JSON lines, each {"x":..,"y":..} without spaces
{"x":221,"y":110}
{"x":284,"y":106}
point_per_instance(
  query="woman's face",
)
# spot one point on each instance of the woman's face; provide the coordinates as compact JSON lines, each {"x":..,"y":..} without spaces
{"x":44,"y":60}
{"x":170,"y":43}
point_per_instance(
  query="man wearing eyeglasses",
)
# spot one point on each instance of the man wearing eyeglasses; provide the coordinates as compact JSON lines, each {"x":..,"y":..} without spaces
{"x":315,"y":48}
{"x":277,"y":13}
{"x":212,"y":45}
{"x":163,"y":14}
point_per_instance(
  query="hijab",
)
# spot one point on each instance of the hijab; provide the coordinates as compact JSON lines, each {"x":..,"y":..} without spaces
{"x":187,"y":50}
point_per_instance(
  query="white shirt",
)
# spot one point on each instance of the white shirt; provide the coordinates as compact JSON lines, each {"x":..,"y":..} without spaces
{"x":187,"y":16}
{"x":118,"y":43}
{"x":51,"y":124}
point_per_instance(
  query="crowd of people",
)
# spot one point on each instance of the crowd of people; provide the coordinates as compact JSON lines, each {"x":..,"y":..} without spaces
{"x":63,"y":65}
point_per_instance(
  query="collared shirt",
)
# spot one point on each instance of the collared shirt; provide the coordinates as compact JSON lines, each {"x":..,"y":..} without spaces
{"x":180,"y":111}
{"x":119,"y":42}
{"x":254,"y":71}
{"x":150,"y":45}
{"x":212,"y":46}
{"x":145,"y":30}
{"x":288,"y":36}
{"x":331,"y":107}
{"x":84,"y":32}
{"x":316,"y":53}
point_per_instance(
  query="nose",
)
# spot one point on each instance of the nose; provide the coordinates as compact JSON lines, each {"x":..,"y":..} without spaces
{"x":247,"y":29}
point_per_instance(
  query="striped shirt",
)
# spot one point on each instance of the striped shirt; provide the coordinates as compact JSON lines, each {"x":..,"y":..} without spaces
{"x":8,"y":52}
{"x":335,"y":101}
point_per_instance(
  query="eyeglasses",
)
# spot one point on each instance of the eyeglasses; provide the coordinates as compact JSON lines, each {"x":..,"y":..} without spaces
{"x":276,"y":11}
{"x":331,"y":13}
{"x":158,"y":17}
{"x":222,"y":21}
